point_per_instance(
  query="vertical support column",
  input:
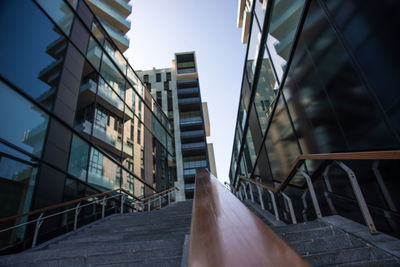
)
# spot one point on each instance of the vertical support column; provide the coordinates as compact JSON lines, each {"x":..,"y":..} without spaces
{"x":251,"y":192}
{"x":382,"y":186}
{"x":312,"y":193}
{"x":329,"y":188}
{"x":304,"y":211}
{"x":360,"y":198}
{"x":122,"y":203}
{"x":244,"y":188}
{"x":291,"y":210}
{"x":104,"y":202}
{"x":260,"y":197}
{"x":274,"y":204}
{"x":37,"y":227}
{"x":77,"y":210}
{"x":169,"y":197}
{"x":148,"y":205}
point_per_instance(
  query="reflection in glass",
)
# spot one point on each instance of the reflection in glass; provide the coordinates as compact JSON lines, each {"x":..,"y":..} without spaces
{"x":34,"y":43}
{"x":284,"y":21}
{"x":266,"y":89}
{"x":104,"y":174}
{"x":254,"y":47}
{"x":281,"y":144}
{"x":30,"y":131}
{"x":78,"y":158}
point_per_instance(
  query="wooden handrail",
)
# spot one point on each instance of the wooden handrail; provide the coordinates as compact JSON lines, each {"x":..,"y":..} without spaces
{"x":224,"y":232}
{"x":159,"y":193}
{"x":60,"y":205}
{"x":369,"y":155}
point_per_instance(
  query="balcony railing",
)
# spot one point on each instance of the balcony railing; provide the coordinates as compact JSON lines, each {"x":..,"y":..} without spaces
{"x":192,"y":100}
{"x":111,"y":12}
{"x":194,"y":146}
{"x":189,"y":134}
{"x":190,"y":121}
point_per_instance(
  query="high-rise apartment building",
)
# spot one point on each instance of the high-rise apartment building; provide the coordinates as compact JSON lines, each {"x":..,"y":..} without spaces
{"x":177,"y":91}
{"x":75,"y":118}
{"x":321,"y":77}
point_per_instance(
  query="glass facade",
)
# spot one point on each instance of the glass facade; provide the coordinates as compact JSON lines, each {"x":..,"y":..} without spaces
{"x":74,"y":113}
{"x":320,"y":77}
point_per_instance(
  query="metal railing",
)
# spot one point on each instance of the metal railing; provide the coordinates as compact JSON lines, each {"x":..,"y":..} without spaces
{"x":334,"y":158}
{"x":128,"y":202}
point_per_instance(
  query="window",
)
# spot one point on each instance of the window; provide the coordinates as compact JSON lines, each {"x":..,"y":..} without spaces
{"x":139,"y":133}
{"x":166,"y":85}
{"x":159,"y":98}
{"x":78,"y":158}
{"x":29,"y":133}
{"x":148,"y":85}
{"x":118,"y":125}
{"x":158,"y":77}
{"x":168,"y":76}
{"x":146,"y":78}
{"x":142,"y":163}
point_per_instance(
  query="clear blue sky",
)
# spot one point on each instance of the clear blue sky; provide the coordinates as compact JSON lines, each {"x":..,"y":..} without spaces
{"x":160,"y":28}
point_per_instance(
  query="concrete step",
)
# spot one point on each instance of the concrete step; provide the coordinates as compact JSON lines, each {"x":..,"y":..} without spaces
{"x":336,"y":242}
{"x":309,"y":234}
{"x":94,"y":250}
{"x":345,"y":256}
{"x":299,"y":227}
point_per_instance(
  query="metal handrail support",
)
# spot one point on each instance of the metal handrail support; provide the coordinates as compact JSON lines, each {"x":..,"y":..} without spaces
{"x":312,"y":193}
{"x":272,"y":195}
{"x":359,"y":196}
{"x":260,"y":197}
{"x":251,"y":192}
{"x":244,"y":189}
{"x":382,"y":186}
{"x":329,"y":188}
{"x":290,"y":204}
{"x":122,"y":203}
{"x":38,"y":224}
{"x":77,"y":210}
{"x":104,"y":202}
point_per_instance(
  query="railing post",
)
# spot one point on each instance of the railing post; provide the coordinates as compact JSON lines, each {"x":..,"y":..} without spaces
{"x":35,"y":234}
{"x":360,"y":198}
{"x":240,"y":193}
{"x":77,"y":210}
{"x":103,"y":208}
{"x":244,"y":188}
{"x":260,"y":197}
{"x":304,"y":211}
{"x":122,"y":203}
{"x":159,"y":201}
{"x":274,"y":204}
{"x":148,"y":205}
{"x":382,"y":186}
{"x":329,"y":188}
{"x":169,"y":197}
{"x":251,"y":192}
{"x":291,"y":210}
{"x":312,"y":193}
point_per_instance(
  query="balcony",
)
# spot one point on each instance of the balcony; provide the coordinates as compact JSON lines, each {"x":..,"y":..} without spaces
{"x":189,"y":101}
{"x":187,"y":92}
{"x":195,"y":164}
{"x":191,"y":121}
{"x":192,"y":134}
{"x":108,"y":14}
{"x":118,"y":37}
{"x":121,"y":6}
{"x":194,"y":146}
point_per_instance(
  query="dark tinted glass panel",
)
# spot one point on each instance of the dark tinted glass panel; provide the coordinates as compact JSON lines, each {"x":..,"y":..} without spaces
{"x":25,"y":124}
{"x":78,"y":158}
{"x":281,"y":142}
{"x":364,"y":25}
{"x":254,"y":46}
{"x":17,"y":182}
{"x":32,"y":42}
{"x":357,"y":110}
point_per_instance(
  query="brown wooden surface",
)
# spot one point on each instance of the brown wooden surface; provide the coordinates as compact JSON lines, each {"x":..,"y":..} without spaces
{"x":159,"y":193}
{"x":224,"y":232}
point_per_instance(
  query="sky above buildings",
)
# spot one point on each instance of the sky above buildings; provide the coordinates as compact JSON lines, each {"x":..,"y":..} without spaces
{"x":161,"y":28}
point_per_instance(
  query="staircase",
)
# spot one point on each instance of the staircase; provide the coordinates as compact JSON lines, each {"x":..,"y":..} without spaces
{"x":153,"y":238}
{"x":334,"y":241}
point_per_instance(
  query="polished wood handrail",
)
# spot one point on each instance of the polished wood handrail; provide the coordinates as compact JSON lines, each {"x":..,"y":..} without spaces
{"x":224,"y":232}
{"x":60,"y":205}
{"x":369,"y":155}
{"x":160,"y":193}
